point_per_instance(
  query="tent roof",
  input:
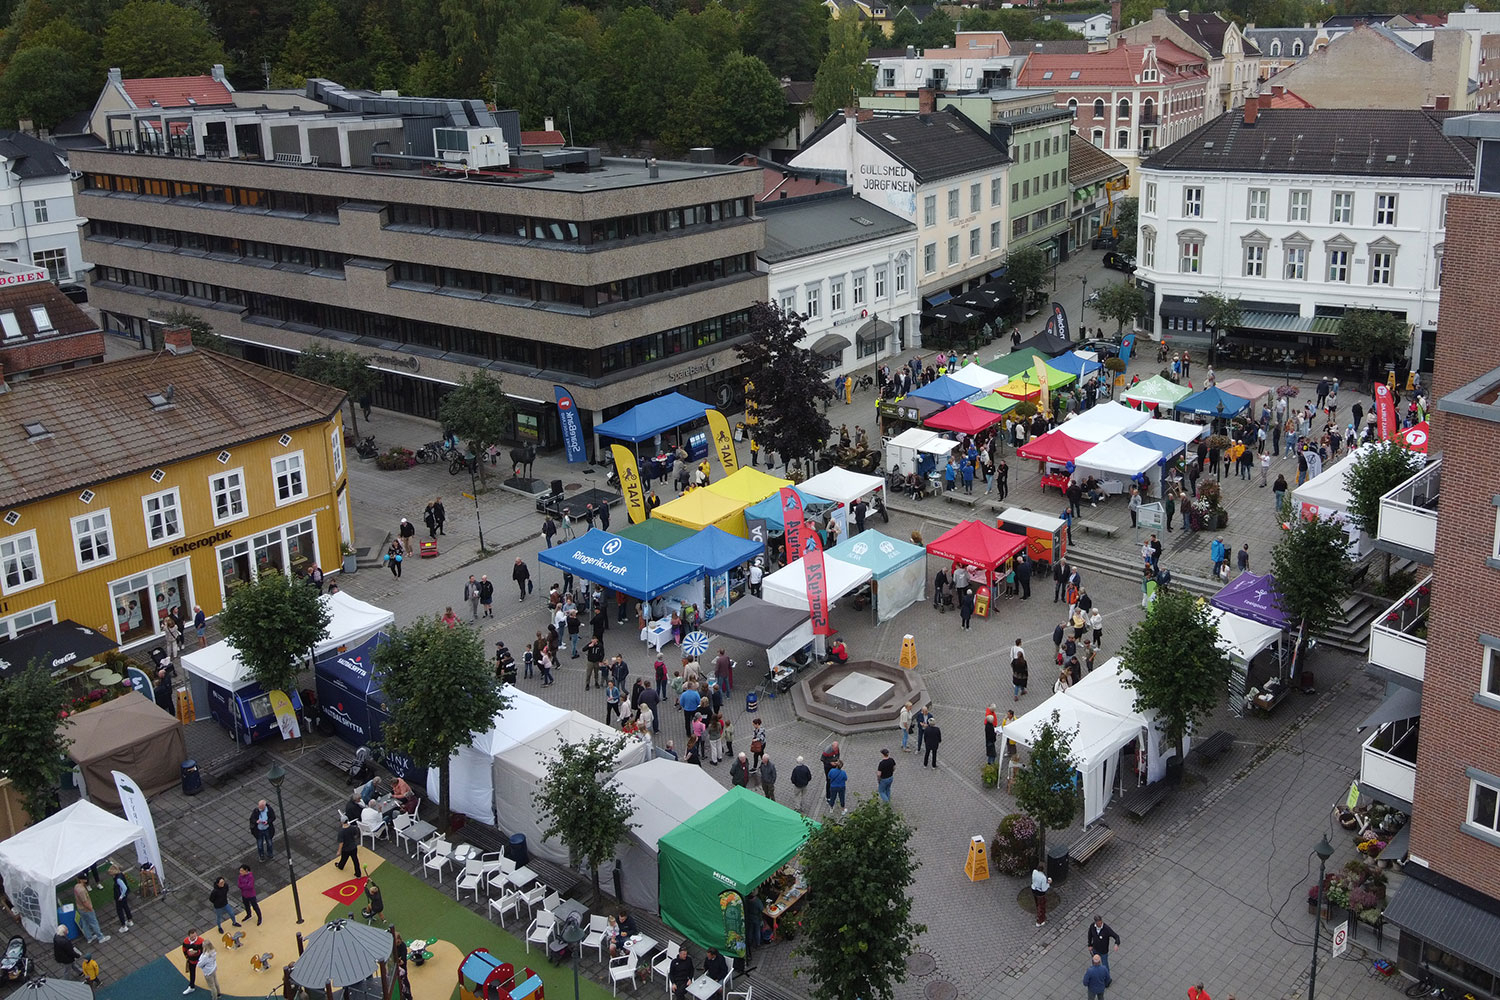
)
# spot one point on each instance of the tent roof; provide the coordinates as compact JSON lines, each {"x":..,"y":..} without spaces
{"x":1026,"y":386}
{"x":976,"y":543}
{"x":1102,"y":422}
{"x":1100,"y":733}
{"x":526,"y":716}
{"x":658,"y":534}
{"x":665,"y":794}
{"x":1054,"y":446}
{"x":1177,"y":430}
{"x":54,"y":646}
{"x":1016,"y":362}
{"x":946,"y":390}
{"x":715,"y":549}
{"x":769,"y":510}
{"x":49,"y":851}
{"x":912,"y":437}
{"x":996,"y":403}
{"x":1208,"y":400}
{"x":748,"y":486}
{"x":1104,"y":688}
{"x":340,"y":953}
{"x":1253,"y":597}
{"x":654,"y":416}
{"x":1119,"y":456}
{"x":880,"y":554}
{"x":1049,"y":343}
{"x":842,"y":485}
{"x":788,"y":585}
{"x":756,"y":621}
{"x":124,"y":722}
{"x":620,"y":564}
{"x":964,"y":417}
{"x":1239,"y":387}
{"x":1158,"y":390}
{"x":979,"y":377}
{"x":1241,"y":637}
{"x":1076,"y":364}
{"x":1327,"y":488}
{"x":1164,"y":446}
{"x":742,"y":836}
{"x":699,"y":508}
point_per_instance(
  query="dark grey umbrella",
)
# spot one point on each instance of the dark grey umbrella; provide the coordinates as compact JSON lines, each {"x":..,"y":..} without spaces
{"x":55,"y":989}
{"x":341,"y":953}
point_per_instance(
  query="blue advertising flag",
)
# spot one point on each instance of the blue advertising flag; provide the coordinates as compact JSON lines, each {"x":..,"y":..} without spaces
{"x":572,"y":425}
{"x":1127,"y":346}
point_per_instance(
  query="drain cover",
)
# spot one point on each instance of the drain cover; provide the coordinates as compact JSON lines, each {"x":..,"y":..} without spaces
{"x":573,"y":486}
{"x":941,"y":989}
{"x":921,"y":964}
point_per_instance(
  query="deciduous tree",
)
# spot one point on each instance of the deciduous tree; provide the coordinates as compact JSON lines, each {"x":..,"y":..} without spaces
{"x":844,"y":75}
{"x":1120,"y":302}
{"x":789,"y":384}
{"x":581,"y":803}
{"x":1126,"y":222}
{"x":1026,"y":270}
{"x":1044,"y":787}
{"x":274,"y":622}
{"x":786,"y":35}
{"x":859,"y":930}
{"x":1378,"y":470}
{"x":1375,"y":337}
{"x":343,"y":369}
{"x":32,"y":745}
{"x":479,"y":412}
{"x":44,"y":85}
{"x":1311,"y":567}
{"x":1177,"y":668}
{"x":1219,"y":313}
{"x":159,"y":38}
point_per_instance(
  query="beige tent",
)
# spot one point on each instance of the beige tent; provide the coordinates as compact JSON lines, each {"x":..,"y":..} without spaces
{"x":129,"y":734}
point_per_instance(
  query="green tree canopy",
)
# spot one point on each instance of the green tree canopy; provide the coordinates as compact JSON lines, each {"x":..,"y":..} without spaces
{"x":655,"y":72}
{"x":1044,"y":787}
{"x":753,"y":109}
{"x":44,"y":84}
{"x":580,"y":802}
{"x":1177,"y":668}
{"x":844,"y":76}
{"x":1311,"y":566}
{"x":1126,"y":223}
{"x":274,"y":622}
{"x":789,"y":383}
{"x":1120,"y":302}
{"x":1375,"y":337}
{"x":547,"y":73}
{"x":1376,"y":471}
{"x":159,"y":38}
{"x":343,"y":369}
{"x":1220,"y":313}
{"x":203,"y":334}
{"x":786,"y":35}
{"x":440,"y":692}
{"x":32,"y":745}
{"x":479,"y":412}
{"x":859,"y":930}
{"x":1026,"y":269}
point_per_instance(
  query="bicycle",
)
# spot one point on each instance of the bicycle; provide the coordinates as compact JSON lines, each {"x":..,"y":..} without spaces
{"x":1427,"y":986}
{"x":429,"y":453}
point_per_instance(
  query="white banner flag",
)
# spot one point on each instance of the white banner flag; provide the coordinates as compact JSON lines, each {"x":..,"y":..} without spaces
{"x":133,"y":804}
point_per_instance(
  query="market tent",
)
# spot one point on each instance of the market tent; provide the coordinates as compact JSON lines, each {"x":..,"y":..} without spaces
{"x":1120,"y":457}
{"x":1209,"y":401}
{"x":655,"y":416}
{"x":1096,"y":746}
{"x":130,"y":735}
{"x":1104,"y":421}
{"x":1104,"y":688}
{"x":1026,"y":385}
{"x":48,"y":854}
{"x":699,"y":508}
{"x":664,"y":794}
{"x":614,"y":562}
{"x":897,"y":566}
{"x":997,"y":403}
{"x":471,"y":783}
{"x":1055,"y":447}
{"x":1175,"y":429}
{"x":716,"y":550}
{"x":1166,"y":448}
{"x":1012,"y":364}
{"x":1239,"y":387}
{"x":1076,"y":363}
{"x":1048,"y":342}
{"x":842,"y":485}
{"x":1242,"y":638}
{"x":53,"y":647}
{"x":946,"y":390}
{"x":1156,"y":391}
{"x":748,"y":486}
{"x":728,"y":848}
{"x":902,"y":449}
{"x":348,"y":688}
{"x":981,"y":378}
{"x":975,"y":543}
{"x":1253,"y":597}
{"x":780,"y":631}
{"x":659,"y":535}
{"x":788,"y":585}
{"x":963,"y":418}
{"x":769,"y":510}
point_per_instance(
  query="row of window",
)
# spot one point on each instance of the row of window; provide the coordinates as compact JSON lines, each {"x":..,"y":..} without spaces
{"x":40,"y":318}
{"x":976,"y":201}
{"x":289,"y":202}
{"x":534,"y":290}
{"x":248,"y":250}
{"x":1122,"y":139}
{"x":856,"y":283}
{"x":1298,"y":205}
{"x":1338,"y":255}
{"x":1048,"y":146}
{"x":521,"y":227}
{"x":1021,"y":190}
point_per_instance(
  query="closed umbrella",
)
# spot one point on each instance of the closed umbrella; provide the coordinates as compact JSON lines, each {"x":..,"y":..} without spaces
{"x":341,"y":953}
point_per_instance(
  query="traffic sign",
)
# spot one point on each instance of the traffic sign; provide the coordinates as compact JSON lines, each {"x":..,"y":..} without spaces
{"x":1341,"y":939}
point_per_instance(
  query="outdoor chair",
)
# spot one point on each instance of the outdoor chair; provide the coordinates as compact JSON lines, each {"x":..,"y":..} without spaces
{"x":374,"y":831}
{"x":510,"y":902}
{"x":438,"y":858}
{"x":540,"y":930}
{"x":500,"y":874}
{"x":622,"y":969}
{"x":535,"y":896}
{"x":598,"y":930}
{"x":470,"y":879}
{"x":663,"y":964}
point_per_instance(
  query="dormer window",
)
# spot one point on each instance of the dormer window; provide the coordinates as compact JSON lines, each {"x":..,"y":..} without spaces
{"x":11,"y":327}
{"x":1297,"y":47}
{"x":42,"y":320}
{"x":1275,"y":46}
{"x":1148,"y":75}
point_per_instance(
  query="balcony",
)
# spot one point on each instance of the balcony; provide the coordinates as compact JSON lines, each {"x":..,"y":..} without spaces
{"x":1398,"y":639}
{"x":1408,"y":515}
{"x":1388,"y":760}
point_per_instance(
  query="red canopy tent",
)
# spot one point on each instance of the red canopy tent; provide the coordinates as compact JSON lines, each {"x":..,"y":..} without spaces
{"x":963,"y":417}
{"x":975,"y":543}
{"x":1055,"y":447}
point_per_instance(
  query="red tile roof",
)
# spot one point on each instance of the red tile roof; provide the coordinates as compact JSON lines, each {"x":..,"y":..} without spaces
{"x":174,"y":91}
{"x":1114,"y":67}
{"x":543,"y":137}
{"x":1283,"y":98}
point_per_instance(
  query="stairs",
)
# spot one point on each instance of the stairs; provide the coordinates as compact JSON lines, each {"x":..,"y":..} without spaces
{"x":1127,"y":565}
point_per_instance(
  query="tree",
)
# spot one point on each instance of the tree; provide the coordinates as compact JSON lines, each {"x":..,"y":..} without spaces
{"x":323,"y":44}
{"x":1044,"y":787}
{"x":653,"y":72}
{"x":1377,"y":471}
{"x":32,"y":743}
{"x":1311,"y":566}
{"x":159,"y":38}
{"x":1219,"y":314}
{"x":715,"y":29}
{"x":202,"y":334}
{"x":1026,"y":269}
{"x":753,"y":109}
{"x":546,"y":73}
{"x":1373,"y":336}
{"x":786,"y":35}
{"x":1126,"y":222}
{"x":844,"y":75}
{"x":789,"y":384}
{"x":479,"y":412}
{"x":343,"y":369}
{"x":1120,"y":302}
{"x":440,"y":692}
{"x":580,"y":802}
{"x":43,"y":84}
{"x":1177,"y":668}
{"x":859,"y":928}
{"x":273,"y":622}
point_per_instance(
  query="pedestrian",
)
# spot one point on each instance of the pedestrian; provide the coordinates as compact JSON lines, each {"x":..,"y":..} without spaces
{"x":200,"y":625}
{"x":757,"y":574}
{"x":934,"y":740}
{"x":1096,"y":625}
{"x":88,"y":920}
{"x":1198,"y":993}
{"x":885,"y":775}
{"x":689,"y":701}
{"x":1060,"y":573}
{"x":611,"y":702}
{"x":348,"y":846}
{"x":1219,"y":553}
{"x":757,"y":743}
{"x":522,"y":575}
{"x":965,"y":606}
{"x":1020,"y":675}
{"x":549,"y":529}
{"x":801,"y":778}
{"x":208,"y":965}
{"x":991,"y":736}
{"x":405,"y":533}
{"x":247,"y":893}
{"x":66,"y":955}
{"x":767,"y":771}
{"x":1135,"y":506}
{"x":903,"y":720}
{"x":1242,"y":558}
{"x":1096,"y":979}
{"x":263,"y":828}
{"x":1023,"y":575}
{"x":1278,"y":492}
{"x":430,"y":519}
{"x":218,"y":897}
{"x":723,"y":672}
{"x":1100,"y":935}
{"x":394,"y":556}
{"x":1040,"y":883}
{"x":121,"y":892}
{"x":739,"y":771}
{"x":838,"y":780}
{"x":544,"y":664}
{"x":716,"y":739}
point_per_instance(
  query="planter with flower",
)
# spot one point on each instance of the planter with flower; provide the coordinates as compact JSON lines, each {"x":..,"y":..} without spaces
{"x":1206,"y":511}
{"x":396,"y":458}
{"x":1288,"y":391}
{"x":1014,"y":849}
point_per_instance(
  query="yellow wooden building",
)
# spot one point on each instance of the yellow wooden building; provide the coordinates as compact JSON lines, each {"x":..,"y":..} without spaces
{"x":163,"y":480}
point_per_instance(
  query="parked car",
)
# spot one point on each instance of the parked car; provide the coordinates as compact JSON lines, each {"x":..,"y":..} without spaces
{"x":1104,"y":348}
{"x":1119,"y":262}
{"x":1103,"y":241}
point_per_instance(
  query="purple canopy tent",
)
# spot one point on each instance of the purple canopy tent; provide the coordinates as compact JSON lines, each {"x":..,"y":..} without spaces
{"x":1253,"y":597}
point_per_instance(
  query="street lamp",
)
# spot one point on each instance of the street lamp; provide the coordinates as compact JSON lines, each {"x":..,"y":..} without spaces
{"x":278,"y":776}
{"x":474,"y":485}
{"x":573,"y":932}
{"x":1324,"y":851}
{"x":1083,"y":302}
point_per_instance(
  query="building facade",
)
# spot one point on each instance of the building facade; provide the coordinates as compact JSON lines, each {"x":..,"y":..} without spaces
{"x":618,"y":278}
{"x":161,"y":481}
{"x":1037,"y":134}
{"x":41,"y":329}
{"x":1089,"y":170}
{"x":1281,"y":48}
{"x":38,"y":223}
{"x":1231,"y":61}
{"x":1426,"y":75}
{"x":1301,"y":215}
{"x":977,"y":60}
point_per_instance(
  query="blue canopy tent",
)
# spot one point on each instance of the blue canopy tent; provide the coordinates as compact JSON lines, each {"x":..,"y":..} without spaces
{"x":1170,"y":448}
{"x":899,"y":567}
{"x":766,"y":517}
{"x":1209,"y":401}
{"x":718,"y":552}
{"x":619,"y":564}
{"x":946,"y":390}
{"x":644,"y":421}
{"x":351,"y":701}
{"x":1075,"y":364}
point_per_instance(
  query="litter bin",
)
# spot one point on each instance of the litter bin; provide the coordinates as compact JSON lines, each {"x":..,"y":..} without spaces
{"x":1057,"y":862}
{"x":516,"y":849}
{"x":67,"y":916}
{"x":192,"y":779}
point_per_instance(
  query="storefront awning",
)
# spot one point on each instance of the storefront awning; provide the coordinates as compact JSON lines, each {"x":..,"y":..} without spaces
{"x":1402,"y":703}
{"x":1275,"y":322}
{"x":937,"y":298}
{"x":953,"y":313}
{"x":830,"y":344}
{"x":873,"y":331}
{"x":1445,"y":913}
{"x":1177,"y":305}
{"x":52,"y":648}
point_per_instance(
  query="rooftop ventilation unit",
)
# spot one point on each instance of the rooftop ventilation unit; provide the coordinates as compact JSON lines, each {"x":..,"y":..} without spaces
{"x":475,"y":148}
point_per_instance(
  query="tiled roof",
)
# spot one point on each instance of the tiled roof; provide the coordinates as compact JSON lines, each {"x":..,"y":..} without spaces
{"x":1285,"y":99}
{"x":1360,"y":142}
{"x":543,"y":137}
{"x":101,"y":426}
{"x":1116,"y":67}
{"x":65,"y":315}
{"x":30,"y":157}
{"x":814,"y":225}
{"x":174,"y":91}
{"x":797,"y":91}
{"x":1050,"y":46}
{"x":937,"y":145}
{"x":1088,"y":164}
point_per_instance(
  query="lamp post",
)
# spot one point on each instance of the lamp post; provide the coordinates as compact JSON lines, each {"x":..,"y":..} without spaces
{"x":1083,"y":302}
{"x":1324,"y":851}
{"x":573,"y":932}
{"x":474,"y":485}
{"x":278,"y":776}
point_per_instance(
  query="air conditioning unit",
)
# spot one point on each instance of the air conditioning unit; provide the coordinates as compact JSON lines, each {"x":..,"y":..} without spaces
{"x":476,"y":148}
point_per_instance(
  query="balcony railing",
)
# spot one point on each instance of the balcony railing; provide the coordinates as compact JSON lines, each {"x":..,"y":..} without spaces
{"x":1398,"y":639}
{"x":1388,"y":760}
{"x":1408,"y":513}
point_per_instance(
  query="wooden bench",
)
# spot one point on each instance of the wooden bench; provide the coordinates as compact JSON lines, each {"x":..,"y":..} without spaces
{"x":959,"y":496}
{"x":335,"y":753}
{"x":219,"y":770}
{"x":1145,"y":798}
{"x":1214,"y":745}
{"x":1088,"y":845}
{"x":1097,"y":528}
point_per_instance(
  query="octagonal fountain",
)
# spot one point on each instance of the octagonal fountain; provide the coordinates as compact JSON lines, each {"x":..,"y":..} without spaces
{"x":858,"y":696}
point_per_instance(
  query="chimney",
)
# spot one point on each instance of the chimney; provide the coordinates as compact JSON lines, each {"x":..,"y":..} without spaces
{"x":114,"y":76}
{"x":911,"y":52}
{"x":926,"y":101}
{"x":1277,"y":90}
{"x":177,"y":339}
{"x":218,"y":74}
{"x":1443,"y":100}
{"x":651,"y":169}
{"x":1114,"y":15}
{"x":1252,"y":107}
{"x":549,"y":123}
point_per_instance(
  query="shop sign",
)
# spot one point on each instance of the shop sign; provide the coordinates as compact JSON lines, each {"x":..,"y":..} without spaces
{"x":198,"y":543}
{"x":403,"y":361}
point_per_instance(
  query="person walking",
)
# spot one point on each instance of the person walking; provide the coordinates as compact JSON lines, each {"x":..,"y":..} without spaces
{"x":1096,"y":979}
{"x":263,"y":829}
{"x":991,"y":736}
{"x":1278,"y":492}
{"x":121,"y":892}
{"x":965,"y":606}
{"x":611,"y":702}
{"x":247,"y":893}
{"x":218,"y":898}
{"x":801,"y":778}
{"x":739,"y":771}
{"x":66,"y":956}
{"x":1040,"y":883}
{"x":1100,"y":936}
{"x":1020,"y":675}
{"x":522,"y":576}
{"x":838,"y":780}
{"x":757,"y":743}
{"x":767,"y":771}
{"x":208,"y":965}
{"x":934,"y":740}
{"x":1059,"y":578}
{"x":405,"y":533}
{"x":394,"y":556}
{"x":192,"y":952}
{"x":487,"y":596}
{"x":348,"y":847}
{"x":549,"y":530}
{"x":1242,"y":558}
{"x":885,"y":775}
{"x":471,"y":595}
{"x":88,"y":920}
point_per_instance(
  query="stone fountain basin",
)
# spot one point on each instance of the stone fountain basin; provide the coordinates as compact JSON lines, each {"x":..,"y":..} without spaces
{"x":812,"y":704}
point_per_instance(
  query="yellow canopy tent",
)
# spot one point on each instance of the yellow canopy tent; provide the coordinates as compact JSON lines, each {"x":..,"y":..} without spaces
{"x":698,"y":509}
{"x":1026,"y":386}
{"x":748,"y":486}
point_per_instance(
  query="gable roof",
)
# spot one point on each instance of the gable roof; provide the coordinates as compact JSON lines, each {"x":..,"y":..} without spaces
{"x":1050,"y":46}
{"x":1116,"y":67}
{"x":936,"y":145}
{"x":28,"y":156}
{"x":1088,"y":164}
{"x":813,"y":225}
{"x":64,"y":314}
{"x":1263,"y":37}
{"x":177,"y":91}
{"x":1405,"y":143}
{"x":1207,"y":30}
{"x":797,"y":91}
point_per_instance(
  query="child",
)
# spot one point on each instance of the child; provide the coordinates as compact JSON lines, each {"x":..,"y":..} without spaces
{"x":90,"y":969}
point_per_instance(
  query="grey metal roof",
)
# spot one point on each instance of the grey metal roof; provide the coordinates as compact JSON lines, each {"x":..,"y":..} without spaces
{"x":802,"y":226}
{"x":1263,"y":37}
{"x":342,"y":953}
{"x":1425,"y":907}
{"x":31,"y":157}
{"x":937,"y":145}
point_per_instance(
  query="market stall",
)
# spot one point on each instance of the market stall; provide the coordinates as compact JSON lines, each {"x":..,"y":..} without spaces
{"x":1176,"y":430}
{"x":1326,"y":495}
{"x":974,"y":543}
{"x":1046,"y":536}
{"x":1156,"y":392}
{"x":653,"y":533}
{"x":766,"y":519}
{"x":981,"y":378}
{"x":1119,"y":457}
{"x":1253,"y":391}
{"x":49,"y":854}
{"x":748,"y":486}
{"x":1054,"y":448}
{"x":843,"y":488}
{"x":964,"y":417}
{"x":721,"y":555}
{"x":1167,"y":448}
{"x":901,"y":450}
{"x":909,"y":411}
{"x":663,"y":795}
{"x":350,"y":700}
{"x":710,"y":864}
{"x":130,"y":735}
{"x":1214,"y":402}
{"x":997,"y":403}
{"x":780,"y":631}
{"x":1257,"y":661}
{"x":946,"y":390}
{"x":658,"y":415}
{"x":1105,"y":688}
{"x":1012,"y":364}
{"x":1098,"y":738}
{"x":1083,"y":365}
{"x":1027,"y":385}
{"x":788,"y":585}
{"x":620,"y":565}
{"x":1104,"y":421}
{"x":699,"y":508}
{"x":898,"y":569}
{"x":1049,"y":342}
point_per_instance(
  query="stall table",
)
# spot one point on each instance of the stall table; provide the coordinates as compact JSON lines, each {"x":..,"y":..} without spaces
{"x":705,"y":987}
{"x":781,"y":904}
{"x":1057,"y":480}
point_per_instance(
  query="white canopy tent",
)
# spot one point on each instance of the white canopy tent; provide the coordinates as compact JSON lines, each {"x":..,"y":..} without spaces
{"x":665,"y":794}
{"x":1242,"y":638}
{"x":1119,"y":457}
{"x":1104,"y":688}
{"x":843,"y":487}
{"x":1174,"y":429}
{"x":788,"y":585}
{"x":1102,"y":422}
{"x":981,"y":378}
{"x":48,"y":854}
{"x":903,"y":448}
{"x":1326,"y":495}
{"x":471,"y":783}
{"x":1099,"y":738}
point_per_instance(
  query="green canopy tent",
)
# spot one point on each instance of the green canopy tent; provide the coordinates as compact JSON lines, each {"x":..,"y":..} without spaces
{"x":655,"y":533}
{"x":712,"y":862}
{"x":1016,"y":362}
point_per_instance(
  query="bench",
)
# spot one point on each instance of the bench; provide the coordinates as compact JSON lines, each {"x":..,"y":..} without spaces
{"x":1088,"y":845}
{"x":219,"y":770}
{"x":1097,"y":528}
{"x":335,"y":753}
{"x":1145,"y":798}
{"x":959,"y":496}
{"x":764,"y":989}
{"x":1214,"y":745}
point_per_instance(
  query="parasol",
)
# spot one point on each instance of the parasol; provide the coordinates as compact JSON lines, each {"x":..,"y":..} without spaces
{"x":695,"y":643}
{"x":54,"y":989}
{"x":341,"y":953}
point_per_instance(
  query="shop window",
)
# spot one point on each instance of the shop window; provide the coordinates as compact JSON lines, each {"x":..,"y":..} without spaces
{"x":142,"y":602}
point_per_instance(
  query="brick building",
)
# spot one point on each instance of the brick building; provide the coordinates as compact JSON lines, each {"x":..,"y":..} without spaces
{"x":41,"y":329}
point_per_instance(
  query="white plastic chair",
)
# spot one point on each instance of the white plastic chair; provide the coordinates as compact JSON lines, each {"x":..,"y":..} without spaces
{"x":746,"y":995}
{"x":535,"y":896}
{"x":471,"y":879}
{"x":622,"y":969}
{"x":499,"y":878}
{"x":551,"y":901}
{"x":540,"y":930}
{"x":511,"y":903}
{"x":374,"y":831}
{"x":663,"y":964}
{"x":438,"y":858}
{"x":598,"y":929}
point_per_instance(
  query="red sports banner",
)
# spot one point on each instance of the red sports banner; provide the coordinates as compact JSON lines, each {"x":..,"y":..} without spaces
{"x":347,"y":892}
{"x":791,"y":512}
{"x":817,"y":584}
{"x":1385,"y":412}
